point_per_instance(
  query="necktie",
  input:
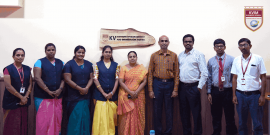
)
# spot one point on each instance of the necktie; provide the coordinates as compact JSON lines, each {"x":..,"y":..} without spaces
{"x":220,"y":84}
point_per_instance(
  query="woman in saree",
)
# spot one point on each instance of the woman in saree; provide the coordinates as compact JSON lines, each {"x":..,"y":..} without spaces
{"x":48,"y":92}
{"x":131,"y":99}
{"x":105,"y":94}
{"x":18,"y":85}
{"x":78,"y":74}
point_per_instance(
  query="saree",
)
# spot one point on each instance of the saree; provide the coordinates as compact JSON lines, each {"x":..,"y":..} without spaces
{"x":49,"y":116}
{"x":131,"y":111}
{"x":105,"y":118}
{"x":78,"y":117}
{"x":15,"y":121}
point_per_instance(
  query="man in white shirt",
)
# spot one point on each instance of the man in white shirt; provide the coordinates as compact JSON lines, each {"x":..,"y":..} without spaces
{"x":249,"y":83}
{"x":193,"y":75}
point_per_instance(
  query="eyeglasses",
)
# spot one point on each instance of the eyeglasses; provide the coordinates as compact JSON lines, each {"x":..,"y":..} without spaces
{"x":244,"y":45}
{"x":220,"y":46}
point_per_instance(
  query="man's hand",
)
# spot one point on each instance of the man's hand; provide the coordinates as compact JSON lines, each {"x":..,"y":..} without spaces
{"x":174,"y":94}
{"x":151,"y":94}
{"x":234,"y":100}
{"x":209,"y":97}
{"x":261,"y":100}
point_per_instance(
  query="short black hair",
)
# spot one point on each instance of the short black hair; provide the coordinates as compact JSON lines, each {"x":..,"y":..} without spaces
{"x":17,"y":49}
{"x":244,"y":40}
{"x":49,"y":44}
{"x":219,"y":41}
{"x":189,"y":35}
{"x":132,"y":52}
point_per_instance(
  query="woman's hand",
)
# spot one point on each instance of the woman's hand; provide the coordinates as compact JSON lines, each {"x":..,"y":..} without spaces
{"x":83,"y":91}
{"x":57,"y":92}
{"x":51,"y":93}
{"x":109,"y":95}
{"x":23,"y":101}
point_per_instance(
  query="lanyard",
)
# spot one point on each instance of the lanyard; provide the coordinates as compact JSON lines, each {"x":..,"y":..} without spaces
{"x":21,"y":77}
{"x":244,"y":72}
{"x":222,"y":64}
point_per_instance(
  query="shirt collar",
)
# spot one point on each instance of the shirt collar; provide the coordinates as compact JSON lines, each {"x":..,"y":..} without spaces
{"x":222,"y":57}
{"x":247,"y":57}
{"x":190,"y":52}
{"x":167,"y":53}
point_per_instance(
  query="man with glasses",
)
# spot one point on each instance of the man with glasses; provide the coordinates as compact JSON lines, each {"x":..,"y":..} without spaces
{"x":219,"y":89}
{"x":249,"y":84}
{"x":163,"y":83}
{"x":193,"y":75}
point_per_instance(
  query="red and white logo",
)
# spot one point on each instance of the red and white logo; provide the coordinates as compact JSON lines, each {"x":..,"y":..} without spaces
{"x":253,"y":17}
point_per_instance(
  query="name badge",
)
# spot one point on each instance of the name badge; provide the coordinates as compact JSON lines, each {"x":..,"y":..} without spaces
{"x":243,"y":81}
{"x":223,"y":78}
{"x":22,"y":90}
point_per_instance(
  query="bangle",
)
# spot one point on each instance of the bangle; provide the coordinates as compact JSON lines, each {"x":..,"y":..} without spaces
{"x":112,"y":93}
{"x":98,"y":86}
{"x":45,"y":88}
{"x":61,"y":88}
{"x":75,"y":86}
{"x":29,"y":91}
{"x":15,"y":93}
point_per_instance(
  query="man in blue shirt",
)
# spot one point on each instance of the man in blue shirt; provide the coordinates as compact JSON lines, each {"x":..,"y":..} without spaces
{"x":219,"y":89}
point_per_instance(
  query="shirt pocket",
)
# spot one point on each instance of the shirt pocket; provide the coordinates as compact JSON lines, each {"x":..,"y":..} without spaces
{"x":253,"y":70}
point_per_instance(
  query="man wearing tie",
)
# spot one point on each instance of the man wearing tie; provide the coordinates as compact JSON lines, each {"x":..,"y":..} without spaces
{"x":219,"y":89}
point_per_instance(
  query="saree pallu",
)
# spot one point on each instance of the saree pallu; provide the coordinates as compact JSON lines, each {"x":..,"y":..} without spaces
{"x":15,"y":121}
{"x":105,"y":118}
{"x":131,"y":111}
{"x":49,"y":116}
{"x":78,"y":117}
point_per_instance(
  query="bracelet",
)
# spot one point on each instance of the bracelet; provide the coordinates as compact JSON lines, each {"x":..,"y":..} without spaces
{"x":75,"y":86}
{"x":15,"y":93}
{"x":29,"y":91}
{"x":112,"y":93}
{"x":61,"y":88}
{"x":46,"y":88}
{"x":98,"y":86}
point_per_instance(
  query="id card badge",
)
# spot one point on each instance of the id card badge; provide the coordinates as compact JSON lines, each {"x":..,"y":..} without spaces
{"x":22,"y":90}
{"x":223,"y":78}
{"x":243,"y":81}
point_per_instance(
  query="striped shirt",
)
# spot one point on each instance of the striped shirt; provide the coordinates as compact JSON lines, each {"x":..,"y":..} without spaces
{"x":213,"y":71}
{"x":163,"y":67}
{"x":192,"y":67}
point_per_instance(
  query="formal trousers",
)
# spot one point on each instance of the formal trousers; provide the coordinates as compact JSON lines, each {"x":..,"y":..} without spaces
{"x":163,"y":92}
{"x":190,"y":100}
{"x":248,"y":102}
{"x":222,"y":100}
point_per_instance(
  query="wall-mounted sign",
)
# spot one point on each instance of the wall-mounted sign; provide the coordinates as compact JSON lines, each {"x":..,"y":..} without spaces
{"x":253,"y":17}
{"x":125,"y":38}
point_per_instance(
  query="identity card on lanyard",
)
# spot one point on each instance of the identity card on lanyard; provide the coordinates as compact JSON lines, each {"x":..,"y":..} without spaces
{"x":22,"y":89}
{"x":243,"y":80}
{"x":222,"y":77}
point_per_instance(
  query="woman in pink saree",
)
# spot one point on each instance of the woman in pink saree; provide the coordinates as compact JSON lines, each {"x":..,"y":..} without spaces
{"x":131,"y":98}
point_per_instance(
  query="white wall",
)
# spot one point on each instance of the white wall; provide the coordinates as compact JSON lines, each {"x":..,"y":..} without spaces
{"x":68,"y":23}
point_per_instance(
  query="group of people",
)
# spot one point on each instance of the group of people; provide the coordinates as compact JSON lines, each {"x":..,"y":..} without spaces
{"x":121,"y":110}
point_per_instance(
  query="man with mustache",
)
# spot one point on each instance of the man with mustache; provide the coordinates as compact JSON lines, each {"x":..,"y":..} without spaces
{"x":219,"y":89}
{"x":193,"y":75}
{"x":249,"y":84}
{"x":163,"y":83}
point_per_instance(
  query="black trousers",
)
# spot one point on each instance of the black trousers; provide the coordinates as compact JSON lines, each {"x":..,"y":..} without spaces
{"x":222,"y":100}
{"x":163,"y":92}
{"x":190,"y":100}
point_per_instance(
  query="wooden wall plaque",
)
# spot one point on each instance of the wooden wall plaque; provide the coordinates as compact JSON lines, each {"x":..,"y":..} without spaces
{"x":125,"y":38}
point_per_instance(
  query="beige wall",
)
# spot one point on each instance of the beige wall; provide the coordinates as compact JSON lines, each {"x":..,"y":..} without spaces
{"x":68,"y":23}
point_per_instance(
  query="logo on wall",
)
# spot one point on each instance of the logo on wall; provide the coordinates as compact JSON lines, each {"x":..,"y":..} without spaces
{"x":253,"y":17}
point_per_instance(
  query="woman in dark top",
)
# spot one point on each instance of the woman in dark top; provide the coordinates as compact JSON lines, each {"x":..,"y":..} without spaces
{"x":105,"y":95}
{"x":78,"y":74}
{"x":18,"y":85}
{"x":48,"y":92}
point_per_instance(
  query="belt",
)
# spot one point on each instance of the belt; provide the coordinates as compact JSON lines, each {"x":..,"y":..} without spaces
{"x":214,"y":87}
{"x":164,"y":80}
{"x":249,"y":92}
{"x":190,"y":84}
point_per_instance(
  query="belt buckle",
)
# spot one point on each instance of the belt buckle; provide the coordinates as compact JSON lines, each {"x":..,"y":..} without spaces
{"x":164,"y":80}
{"x":245,"y":92}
